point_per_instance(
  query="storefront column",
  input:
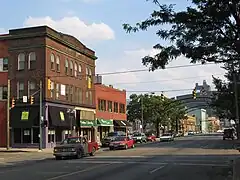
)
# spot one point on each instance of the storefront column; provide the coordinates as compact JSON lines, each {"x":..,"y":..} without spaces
{"x":111,"y":129}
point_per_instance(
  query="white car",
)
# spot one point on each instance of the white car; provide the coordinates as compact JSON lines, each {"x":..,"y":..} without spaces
{"x":167,"y":137}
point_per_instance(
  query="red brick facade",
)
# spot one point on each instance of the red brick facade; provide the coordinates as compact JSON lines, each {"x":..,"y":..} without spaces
{"x":110,"y":94}
{"x":3,"y":101}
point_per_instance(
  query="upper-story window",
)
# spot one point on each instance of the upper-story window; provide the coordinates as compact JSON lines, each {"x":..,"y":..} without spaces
{"x":75,"y":70}
{"x":90,"y":73}
{"x":122,"y":108}
{"x":31,"y":87}
{"x":90,"y":97}
{"x":101,"y":105}
{"x":21,"y":61}
{"x":3,"y":64}
{"x":71,"y":68}
{"x":110,"y":109}
{"x":20,"y":89}
{"x":80,"y":71}
{"x":115,"y":107}
{"x":58,"y":64}
{"x":86,"y":73}
{"x":66,"y":67}
{"x":3,"y":92}
{"x":52,"y":61}
{"x":32,"y":60}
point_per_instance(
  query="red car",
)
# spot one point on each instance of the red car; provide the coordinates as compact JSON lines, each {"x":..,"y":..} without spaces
{"x":121,"y":142}
{"x":151,"y":137}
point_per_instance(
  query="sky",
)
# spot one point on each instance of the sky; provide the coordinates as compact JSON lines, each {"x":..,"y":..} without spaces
{"x":98,"y":24}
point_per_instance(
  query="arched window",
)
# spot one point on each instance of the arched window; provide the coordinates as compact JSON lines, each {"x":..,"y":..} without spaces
{"x":52,"y":61}
{"x":75,"y":69}
{"x":21,"y":61}
{"x":32,"y":60}
{"x":58,"y":64}
{"x":71,"y":68}
{"x":80,"y":71}
{"x":66,"y":66}
{"x":86,"y":73}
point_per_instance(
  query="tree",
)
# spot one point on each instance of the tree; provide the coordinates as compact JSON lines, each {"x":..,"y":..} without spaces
{"x":209,"y":31}
{"x":155,"y":110}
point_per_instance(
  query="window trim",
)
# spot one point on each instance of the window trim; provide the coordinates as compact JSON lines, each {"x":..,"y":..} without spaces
{"x":66,"y":67}
{"x":52,"y":61}
{"x":29,"y":59}
{"x":21,"y":60}
{"x":58,"y":64}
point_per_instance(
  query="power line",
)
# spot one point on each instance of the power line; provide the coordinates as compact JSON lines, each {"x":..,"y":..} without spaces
{"x":164,"y":80}
{"x":169,"y":90}
{"x":144,"y":70}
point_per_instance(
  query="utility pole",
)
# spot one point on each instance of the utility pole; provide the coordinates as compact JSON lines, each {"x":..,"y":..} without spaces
{"x":236,"y":102}
{"x":142,"y":111}
{"x":40,"y":116}
{"x":8,"y":115}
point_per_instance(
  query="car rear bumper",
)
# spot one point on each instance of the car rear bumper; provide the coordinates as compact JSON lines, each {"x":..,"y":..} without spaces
{"x":65,"y":154}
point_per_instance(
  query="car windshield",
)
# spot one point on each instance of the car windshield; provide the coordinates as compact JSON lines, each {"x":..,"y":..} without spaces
{"x":166,"y":134}
{"x":120,"y":138}
{"x":136,"y":134}
{"x":111,"y":134}
{"x":71,"y":141}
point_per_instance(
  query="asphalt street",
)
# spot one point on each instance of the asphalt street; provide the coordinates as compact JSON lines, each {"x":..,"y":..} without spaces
{"x":196,"y":157}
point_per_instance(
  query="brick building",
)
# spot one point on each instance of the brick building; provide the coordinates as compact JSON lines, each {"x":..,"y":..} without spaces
{"x":3,"y":88}
{"x":66,"y":68}
{"x":111,"y":110}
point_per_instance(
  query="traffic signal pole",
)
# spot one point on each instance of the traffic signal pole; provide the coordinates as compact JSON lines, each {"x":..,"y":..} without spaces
{"x":40,"y":116}
{"x":8,"y":116}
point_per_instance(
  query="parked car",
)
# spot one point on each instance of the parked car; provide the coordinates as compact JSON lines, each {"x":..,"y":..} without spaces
{"x":110,"y":137}
{"x":228,"y":134}
{"x":139,"y":137}
{"x":151,"y":137}
{"x":167,"y":137}
{"x":121,"y":142}
{"x":75,"y":147}
{"x":190,"y":133}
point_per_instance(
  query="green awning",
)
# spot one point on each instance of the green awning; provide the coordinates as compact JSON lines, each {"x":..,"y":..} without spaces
{"x":87,"y":122}
{"x":103,"y":122}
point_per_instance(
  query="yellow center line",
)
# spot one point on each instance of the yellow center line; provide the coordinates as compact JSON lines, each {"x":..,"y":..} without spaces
{"x":77,"y":172}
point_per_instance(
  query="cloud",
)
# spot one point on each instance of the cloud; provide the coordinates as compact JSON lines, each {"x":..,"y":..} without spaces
{"x":159,"y":80}
{"x":74,"y":26}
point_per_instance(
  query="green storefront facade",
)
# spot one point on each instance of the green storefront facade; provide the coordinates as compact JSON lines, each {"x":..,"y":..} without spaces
{"x":104,"y":127}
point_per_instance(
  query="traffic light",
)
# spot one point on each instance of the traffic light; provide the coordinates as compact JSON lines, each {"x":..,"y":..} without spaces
{"x":49,"y":84}
{"x":31,"y":100}
{"x":194,"y":93}
{"x":162,"y":96}
{"x":89,"y":82}
{"x":13,"y":102}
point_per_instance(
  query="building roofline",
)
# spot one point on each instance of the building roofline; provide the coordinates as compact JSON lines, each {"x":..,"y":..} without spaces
{"x":109,"y":87}
{"x":37,"y":31}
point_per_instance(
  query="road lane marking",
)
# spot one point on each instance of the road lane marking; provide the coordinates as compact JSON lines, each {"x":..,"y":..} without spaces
{"x":156,"y":169}
{"x":115,"y":157}
{"x":77,"y":172}
{"x":201,"y":164}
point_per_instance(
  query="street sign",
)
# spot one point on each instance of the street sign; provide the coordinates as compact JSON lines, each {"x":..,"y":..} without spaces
{"x":25,"y":99}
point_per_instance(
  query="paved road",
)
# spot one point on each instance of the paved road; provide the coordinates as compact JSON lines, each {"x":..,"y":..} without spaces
{"x":198,"y":157}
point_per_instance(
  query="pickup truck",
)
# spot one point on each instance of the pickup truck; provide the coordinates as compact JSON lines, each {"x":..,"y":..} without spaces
{"x":75,"y":147}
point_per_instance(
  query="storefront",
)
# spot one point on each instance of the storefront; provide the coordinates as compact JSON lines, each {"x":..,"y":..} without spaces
{"x":61,"y":124}
{"x":24,"y":123}
{"x":104,"y":127}
{"x":122,"y":125}
{"x":86,"y":124}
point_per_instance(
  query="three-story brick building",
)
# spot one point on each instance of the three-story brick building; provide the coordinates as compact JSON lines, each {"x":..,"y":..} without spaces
{"x":65,"y":67}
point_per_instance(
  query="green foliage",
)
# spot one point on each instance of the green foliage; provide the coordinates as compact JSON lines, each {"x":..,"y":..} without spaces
{"x":155,"y":110}
{"x":206,"y":32}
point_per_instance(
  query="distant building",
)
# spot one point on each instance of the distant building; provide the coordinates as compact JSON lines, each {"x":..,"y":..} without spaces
{"x":188,"y":124}
{"x":202,"y":101}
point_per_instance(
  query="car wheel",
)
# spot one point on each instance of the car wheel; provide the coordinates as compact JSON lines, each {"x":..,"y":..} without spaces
{"x":126,"y":146}
{"x":93,"y":151}
{"x":133,"y":146}
{"x":58,"y":157}
{"x":223,"y":138}
{"x":111,"y":148}
{"x":79,"y":154}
